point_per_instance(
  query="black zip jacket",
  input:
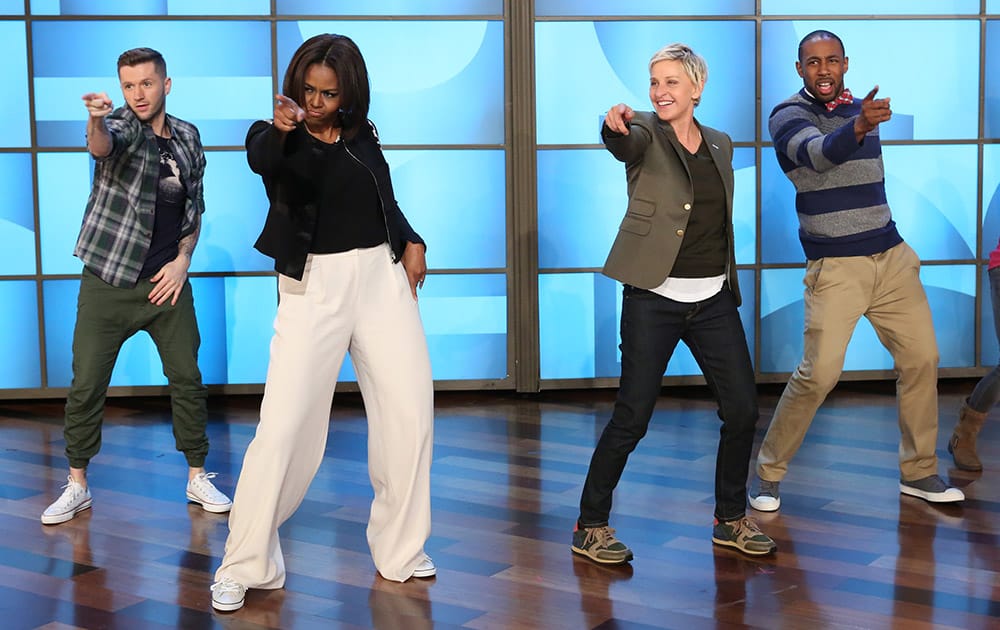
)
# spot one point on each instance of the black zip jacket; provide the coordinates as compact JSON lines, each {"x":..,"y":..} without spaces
{"x":291,"y":175}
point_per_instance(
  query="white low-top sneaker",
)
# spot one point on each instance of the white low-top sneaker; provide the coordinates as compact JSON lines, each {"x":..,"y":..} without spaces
{"x":201,"y":490}
{"x":425,"y":569}
{"x":74,"y":499}
{"x":228,"y":595}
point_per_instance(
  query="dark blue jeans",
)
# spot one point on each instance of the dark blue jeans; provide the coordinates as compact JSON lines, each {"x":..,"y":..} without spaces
{"x":987,"y":391}
{"x":651,"y":326}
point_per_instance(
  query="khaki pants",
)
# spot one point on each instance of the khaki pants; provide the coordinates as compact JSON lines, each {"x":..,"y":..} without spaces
{"x":886,"y":289}
{"x":356,"y":301}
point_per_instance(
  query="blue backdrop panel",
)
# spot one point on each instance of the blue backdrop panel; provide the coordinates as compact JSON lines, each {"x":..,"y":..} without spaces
{"x":870,"y":7}
{"x":579,"y":326}
{"x":11,"y":7}
{"x":199,"y":60}
{"x":874,"y":48}
{"x":449,"y":93}
{"x":17,"y":216}
{"x":610,"y":64}
{"x":992,"y":87}
{"x":62,"y":197}
{"x":139,"y":363}
{"x":950,"y":293}
{"x":389,"y":7}
{"x":16,"y":130}
{"x":150,"y":7}
{"x":235,"y":207}
{"x":582,"y":199}
{"x":19,"y":335}
{"x":465,"y":320}
{"x":642,"y":7}
{"x":465,"y":229}
{"x":931,"y":192}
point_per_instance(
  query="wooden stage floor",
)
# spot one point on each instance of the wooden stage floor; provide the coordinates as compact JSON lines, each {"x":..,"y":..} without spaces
{"x":852,"y":552}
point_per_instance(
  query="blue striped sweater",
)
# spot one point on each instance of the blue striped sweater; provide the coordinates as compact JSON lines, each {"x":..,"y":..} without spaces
{"x":840,"y":185}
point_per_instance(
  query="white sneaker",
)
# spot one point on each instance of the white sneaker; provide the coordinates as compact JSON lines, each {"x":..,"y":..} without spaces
{"x":425,"y":569}
{"x":228,"y":595}
{"x":201,"y":490}
{"x":74,"y":499}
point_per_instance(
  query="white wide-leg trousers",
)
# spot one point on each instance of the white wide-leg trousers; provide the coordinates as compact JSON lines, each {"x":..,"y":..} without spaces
{"x":357,"y":302}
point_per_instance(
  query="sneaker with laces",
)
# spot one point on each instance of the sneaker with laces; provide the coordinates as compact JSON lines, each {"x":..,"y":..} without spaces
{"x":600,"y":545}
{"x":932,"y":489}
{"x":74,"y":499}
{"x":228,"y":595}
{"x":764,"y":495}
{"x":425,"y":569}
{"x":743,"y":534}
{"x":201,"y":490}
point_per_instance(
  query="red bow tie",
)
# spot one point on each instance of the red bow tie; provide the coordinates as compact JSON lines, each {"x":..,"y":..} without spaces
{"x":845,"y":98}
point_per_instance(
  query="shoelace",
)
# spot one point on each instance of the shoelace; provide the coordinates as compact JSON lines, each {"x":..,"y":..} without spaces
{"x":747,"y":527}
{"x":227,"y":585}
{"x":74,"y":490}
{"x":603,"y":536}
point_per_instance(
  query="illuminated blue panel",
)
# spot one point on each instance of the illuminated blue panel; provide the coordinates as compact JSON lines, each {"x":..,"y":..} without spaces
{"x":931,"y":192}
{"x":251,"y":304}
{"x":17,"y":215}
{"x":582,"y":199}
{"x":993,"y":6}
{"x":389,"y":7}
{"x":610,"y":64}
{"x":950,"y":293}
{"x":63,"y":189}
{"x":992,"y":88}
{"x":149,"y":7}
{"x":235,"y":207}
{"x":452,"y":92}
{"x":990,"y":351}
{"x":869,"y":7}
{"x":11,"y":7}
{"x":465,"y":320}
{"x":991,"y":197}
{"x":642,"y":7}
{"x":19,"y":335}
{"x":873,"y":46}
{"x":138,"y":362}
{"x":462,"y":230}
{"x":199,"y":61}
{"x":16,"y":131}
{"x":579,"y":326}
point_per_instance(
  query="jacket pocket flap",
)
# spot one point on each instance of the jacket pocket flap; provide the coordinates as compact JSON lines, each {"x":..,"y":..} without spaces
{"x":641,"y":207}
{"x":636,"y":226}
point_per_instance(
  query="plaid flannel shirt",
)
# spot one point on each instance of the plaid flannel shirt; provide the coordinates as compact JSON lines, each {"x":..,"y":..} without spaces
{"x":118,"y":222}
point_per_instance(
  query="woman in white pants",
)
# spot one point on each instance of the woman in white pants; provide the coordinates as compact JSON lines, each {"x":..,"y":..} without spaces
{"x":349,"y":265}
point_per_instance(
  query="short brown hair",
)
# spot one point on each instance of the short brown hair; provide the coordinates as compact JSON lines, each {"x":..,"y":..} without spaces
{"x":137,"y":56}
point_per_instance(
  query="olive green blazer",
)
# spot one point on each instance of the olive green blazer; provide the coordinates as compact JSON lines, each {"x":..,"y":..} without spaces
{"x":660,"y":197}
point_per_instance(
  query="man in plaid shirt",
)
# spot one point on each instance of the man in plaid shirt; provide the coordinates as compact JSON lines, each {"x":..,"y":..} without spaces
{"x":139,"y":230}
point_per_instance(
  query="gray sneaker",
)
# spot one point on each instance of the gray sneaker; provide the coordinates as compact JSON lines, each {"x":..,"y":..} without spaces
{"x":764,"y":495}
{"x":600,"y":545}
{"x":932,"y":489}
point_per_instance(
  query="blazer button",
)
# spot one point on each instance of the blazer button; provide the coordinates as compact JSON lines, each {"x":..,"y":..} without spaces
{"x":680,"y":233}
{"x":687,"y":206}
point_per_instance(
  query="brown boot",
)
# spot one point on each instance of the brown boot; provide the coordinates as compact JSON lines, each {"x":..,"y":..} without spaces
{"x":962,"y":445}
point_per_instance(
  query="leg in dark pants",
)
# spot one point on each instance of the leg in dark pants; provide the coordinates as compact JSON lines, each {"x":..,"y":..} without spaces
{"x":104,"y":321}
{"x":717,"y":341}
{"x":651,"y":326}
{"x":174,"y":330}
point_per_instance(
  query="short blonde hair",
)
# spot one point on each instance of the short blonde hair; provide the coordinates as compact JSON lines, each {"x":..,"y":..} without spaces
{"x":693,"y":63}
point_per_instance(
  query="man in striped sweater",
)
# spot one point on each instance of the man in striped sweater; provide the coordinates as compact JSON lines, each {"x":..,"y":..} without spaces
{"x":828,"y":145}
